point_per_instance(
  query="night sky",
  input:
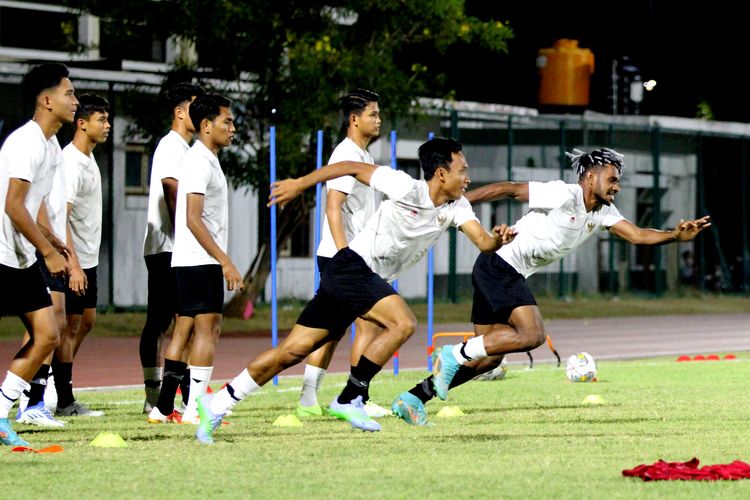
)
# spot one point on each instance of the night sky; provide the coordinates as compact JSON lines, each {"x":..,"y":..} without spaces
{"x":694,"y":55}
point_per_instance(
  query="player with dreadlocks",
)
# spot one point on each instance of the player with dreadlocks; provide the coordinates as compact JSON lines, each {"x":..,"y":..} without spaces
{"x":505,"y":315}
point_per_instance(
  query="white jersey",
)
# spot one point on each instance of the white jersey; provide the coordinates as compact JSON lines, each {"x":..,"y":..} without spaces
{"x":84,"y":193}
{"x":201,"y":173}
{"x":166,"y":163}
{"x":406,"y":225}
{"x":57,"y":202}
{"x":360,"y":204}
{"x":28,"y":155}
{"x":556,"y":224}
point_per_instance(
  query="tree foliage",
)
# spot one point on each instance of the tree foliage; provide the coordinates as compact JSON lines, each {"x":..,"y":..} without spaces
{"x":286,"y":62}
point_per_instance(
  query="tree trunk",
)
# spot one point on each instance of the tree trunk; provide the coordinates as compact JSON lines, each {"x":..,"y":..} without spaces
{"x":289,"y":219}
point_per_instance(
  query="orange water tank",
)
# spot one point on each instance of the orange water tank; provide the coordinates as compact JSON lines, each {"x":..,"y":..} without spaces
{"x":565,"y":71}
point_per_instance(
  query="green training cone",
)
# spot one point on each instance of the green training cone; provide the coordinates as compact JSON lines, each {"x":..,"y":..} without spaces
{"x":287,"y":421}
{"x":108,"y":440}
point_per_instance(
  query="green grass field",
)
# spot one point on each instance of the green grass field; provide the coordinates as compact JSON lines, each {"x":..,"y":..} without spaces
{"x":527,"y":436}
{"x":597,"y":306}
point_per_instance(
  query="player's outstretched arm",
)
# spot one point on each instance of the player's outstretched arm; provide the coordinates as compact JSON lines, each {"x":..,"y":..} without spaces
{"x":488,"y":242}
{"x":518,"y":191}
{"x":282,"y":192}
{"x":684,"y":231}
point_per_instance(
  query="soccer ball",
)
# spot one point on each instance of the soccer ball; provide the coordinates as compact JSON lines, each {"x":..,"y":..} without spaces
{"x":581,"y":367}
{"x":497,"y":373}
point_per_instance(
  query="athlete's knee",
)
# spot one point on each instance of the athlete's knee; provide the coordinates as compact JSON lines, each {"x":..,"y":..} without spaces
{"x":47,"y":338}
{"x":405,"y":326}
{"x":532,"y":336}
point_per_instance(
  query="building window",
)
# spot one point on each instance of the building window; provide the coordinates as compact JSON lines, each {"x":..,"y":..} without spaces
{"x":137,"y":169}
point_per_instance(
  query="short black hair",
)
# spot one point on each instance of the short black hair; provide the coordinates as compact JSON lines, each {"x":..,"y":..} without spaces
{"x":436,"y":153}
{"x":180,"y":93}
{"x":207,"y":107}
{"x":40,"y":78}
{"x":88,"y":104}
{"x":355,"y":102}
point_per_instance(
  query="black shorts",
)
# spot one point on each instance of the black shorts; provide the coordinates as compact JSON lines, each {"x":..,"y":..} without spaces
{"x":348,"y":289}
{"x":162,"y":284}
{"x":498,"y":290}
{"x":322,"y":263}
{"x":23,"y":290}
{"x":74,"y":303}
{"x":54,"y":283}
{"x":200,"y":290}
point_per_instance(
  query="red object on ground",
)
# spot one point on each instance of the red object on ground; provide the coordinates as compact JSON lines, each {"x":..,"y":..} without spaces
{"x":730,"y":356}
{"x":683,"y":358}
{"x":687,"y":471}
{"x":699,"y":357}
{"x":713,"y":357}
{"x":55,"y":448}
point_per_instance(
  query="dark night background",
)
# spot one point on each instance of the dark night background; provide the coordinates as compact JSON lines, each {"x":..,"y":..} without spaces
{"x":695,"y":52}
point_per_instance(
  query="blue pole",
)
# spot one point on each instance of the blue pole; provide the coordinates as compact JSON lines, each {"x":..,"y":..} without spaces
{"x":430,"y":293}
{"x":274,"y":305}
{"x":319,"y":163}
{"x":394,"y":166}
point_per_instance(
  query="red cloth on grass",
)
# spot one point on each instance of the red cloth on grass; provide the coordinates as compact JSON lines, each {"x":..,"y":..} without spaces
{"x":661,"y":470}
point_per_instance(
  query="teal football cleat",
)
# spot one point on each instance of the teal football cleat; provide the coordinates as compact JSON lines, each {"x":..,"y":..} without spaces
{"x":8,"y":436}
{"x":410,"y":409}
{"x":444,"y":368}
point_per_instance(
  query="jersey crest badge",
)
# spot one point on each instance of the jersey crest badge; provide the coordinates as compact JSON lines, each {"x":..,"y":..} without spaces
{"x":590,"y":227}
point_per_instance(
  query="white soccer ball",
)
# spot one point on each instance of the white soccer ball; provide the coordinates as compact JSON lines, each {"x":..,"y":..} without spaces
{"x":581,"y":367}
{"x":495,"y":374}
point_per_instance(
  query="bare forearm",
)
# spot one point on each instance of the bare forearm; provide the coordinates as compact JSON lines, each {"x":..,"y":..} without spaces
{"x":27,"y":226}
{"x":361,"y":171}
{"x":499,"y":191}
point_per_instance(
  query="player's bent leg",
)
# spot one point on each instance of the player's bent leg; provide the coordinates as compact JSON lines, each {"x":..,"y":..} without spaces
{"x":398,"y":322}
{"x":524,"y":332}
{"x":44,"y":337}
{"x":300,"y":342}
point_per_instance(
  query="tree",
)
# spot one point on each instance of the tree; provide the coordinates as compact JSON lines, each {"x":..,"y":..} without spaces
{"x":286,"y":63}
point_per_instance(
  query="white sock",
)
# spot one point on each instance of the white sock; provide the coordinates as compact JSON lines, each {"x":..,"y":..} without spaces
{"x":200,"y":376}
{"x":224,"y":400}
{"x":310,"y":385}
{"x":10,"y":391}
{"x":152,"y":373}
{"x":472,"y":349}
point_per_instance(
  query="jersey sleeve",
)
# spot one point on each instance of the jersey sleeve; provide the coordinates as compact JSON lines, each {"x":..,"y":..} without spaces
{"x":393,"y":183}
{"x":345,"y":184}
{"x":611,"y":216}
{"x":548,"y":195}
{"x":22,"y":162}
{"x":195,"y":178}
{"x":463,"y":213}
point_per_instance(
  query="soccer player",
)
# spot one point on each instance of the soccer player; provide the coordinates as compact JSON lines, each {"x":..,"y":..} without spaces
{"x":349,"y":204}
{"x":355,"y":281}
{"x":505,"y":314}
{"x":157,"y":252}
{"x":200,"y":242}
{"x":28,"y":160}
{"x":84,"y":197}
{"x":32,"y":407}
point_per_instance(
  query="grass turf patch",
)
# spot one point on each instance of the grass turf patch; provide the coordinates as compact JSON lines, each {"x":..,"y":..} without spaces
{"x":528,"y":435}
